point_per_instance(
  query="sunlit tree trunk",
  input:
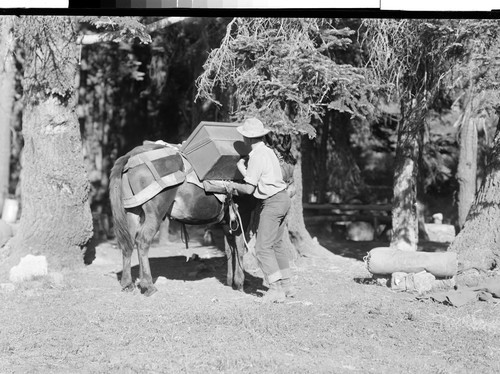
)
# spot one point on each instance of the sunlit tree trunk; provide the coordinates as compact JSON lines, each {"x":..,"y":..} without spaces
{"x":404,"y":209}
{"x":56,"y":220}
{"x":7,"y":76}
{"x":467,"y":166}
{"x":477,"y":243}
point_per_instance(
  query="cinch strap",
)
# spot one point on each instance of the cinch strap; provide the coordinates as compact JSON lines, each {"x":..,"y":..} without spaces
{"x":154,"y":189}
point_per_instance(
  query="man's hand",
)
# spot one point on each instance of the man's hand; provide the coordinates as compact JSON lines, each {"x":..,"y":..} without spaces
{"x":242,"y":167}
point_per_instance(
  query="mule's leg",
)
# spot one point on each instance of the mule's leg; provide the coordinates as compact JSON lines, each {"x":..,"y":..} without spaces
{"x":126,"y":280}
{"x":147,"y":230}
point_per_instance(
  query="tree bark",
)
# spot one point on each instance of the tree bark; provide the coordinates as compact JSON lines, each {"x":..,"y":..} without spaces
{"x":329,"y":163}
{"x":467,"y":166}
{"x":303,"y":244}
{"x":308,"y":164}
{"x":404,"y":206}
{"x":56,"y":219}
{"x":422,"y":231}
{"x":7,"y":77}
{"x":477,"y":243}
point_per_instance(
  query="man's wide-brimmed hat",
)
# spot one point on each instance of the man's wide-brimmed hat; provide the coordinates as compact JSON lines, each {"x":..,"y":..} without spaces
{"x":252,"y":128}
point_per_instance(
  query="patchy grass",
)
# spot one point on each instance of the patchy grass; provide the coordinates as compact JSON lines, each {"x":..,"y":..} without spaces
{"x":195,"y":324}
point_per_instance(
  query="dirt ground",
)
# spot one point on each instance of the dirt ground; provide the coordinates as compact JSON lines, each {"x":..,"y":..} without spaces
{"x":341,"y":322}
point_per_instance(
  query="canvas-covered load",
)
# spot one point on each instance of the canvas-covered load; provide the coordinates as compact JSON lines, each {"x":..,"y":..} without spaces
{"x":213,"y":149}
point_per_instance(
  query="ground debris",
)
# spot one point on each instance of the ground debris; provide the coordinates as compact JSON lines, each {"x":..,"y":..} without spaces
{"x":337,"y":324}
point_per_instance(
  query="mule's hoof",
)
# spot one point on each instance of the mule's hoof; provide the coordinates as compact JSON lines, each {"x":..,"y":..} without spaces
{"x":128,"y":288}
{"x":237,"y":287}
{"x":150,"y":291}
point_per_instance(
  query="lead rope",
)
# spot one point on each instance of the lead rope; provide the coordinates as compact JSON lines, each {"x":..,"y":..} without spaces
{"x":234,"y":216}
{"x":184,"y":235}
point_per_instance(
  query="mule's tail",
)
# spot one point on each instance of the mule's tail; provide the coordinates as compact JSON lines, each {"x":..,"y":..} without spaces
{"x":122,"y":233}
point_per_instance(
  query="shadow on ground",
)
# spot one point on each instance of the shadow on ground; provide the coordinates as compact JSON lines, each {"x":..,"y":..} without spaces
{"x":177,"y":268}
{"x":358,"y":250}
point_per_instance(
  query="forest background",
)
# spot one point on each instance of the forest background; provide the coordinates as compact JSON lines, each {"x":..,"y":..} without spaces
{"x":380,"y":105}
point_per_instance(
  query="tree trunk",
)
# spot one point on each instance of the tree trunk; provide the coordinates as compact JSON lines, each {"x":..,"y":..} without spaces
{"x":308,"y":164}
{"x":404,"y":205}
{"x":422,"y":231}
{"x":477,"y":243}
{"x":7,"y":76}
{"x":330,"y":162}
{"x":344,"y":175}
{"x":467,"y":167}
{"x":323,"y":174}
{"x":303,"y":244}
{"x":56,"y":220}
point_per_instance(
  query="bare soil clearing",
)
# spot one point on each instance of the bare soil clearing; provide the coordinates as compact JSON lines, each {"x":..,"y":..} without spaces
{"x":339,"y":323}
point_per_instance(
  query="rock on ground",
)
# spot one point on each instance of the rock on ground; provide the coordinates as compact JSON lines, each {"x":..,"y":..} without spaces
{"x":440,"y":232}
{"x":360,"y":231}
{"x":30,"y":266}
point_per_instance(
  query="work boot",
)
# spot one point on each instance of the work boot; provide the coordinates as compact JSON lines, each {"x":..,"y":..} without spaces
{"x":288,"y":288}
{"x":274,"y":294}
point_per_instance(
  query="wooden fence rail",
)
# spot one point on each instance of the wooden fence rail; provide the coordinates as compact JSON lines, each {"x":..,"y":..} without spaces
{"x":373,"y":213}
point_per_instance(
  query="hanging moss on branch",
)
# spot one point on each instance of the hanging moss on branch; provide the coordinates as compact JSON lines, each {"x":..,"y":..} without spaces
{"x":412,"y":56}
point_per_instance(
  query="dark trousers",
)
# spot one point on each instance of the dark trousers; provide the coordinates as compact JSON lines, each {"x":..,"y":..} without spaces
{"x":272,"y":255}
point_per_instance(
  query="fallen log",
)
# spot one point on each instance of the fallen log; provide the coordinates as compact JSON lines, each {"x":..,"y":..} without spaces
{"x":384,"y":260}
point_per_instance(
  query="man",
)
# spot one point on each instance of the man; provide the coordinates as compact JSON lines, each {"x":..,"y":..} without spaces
{"x":264,"y":180}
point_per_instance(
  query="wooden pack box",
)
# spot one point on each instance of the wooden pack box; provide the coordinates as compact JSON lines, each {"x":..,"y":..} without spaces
{"x":214,"y":148}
